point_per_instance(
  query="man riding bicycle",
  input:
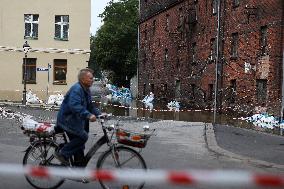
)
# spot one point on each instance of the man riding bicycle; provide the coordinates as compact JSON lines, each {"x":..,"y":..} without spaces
{"x":73,"y":117}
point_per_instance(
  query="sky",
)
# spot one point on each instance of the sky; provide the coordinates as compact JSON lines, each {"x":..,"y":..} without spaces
{"x":96,"y":9}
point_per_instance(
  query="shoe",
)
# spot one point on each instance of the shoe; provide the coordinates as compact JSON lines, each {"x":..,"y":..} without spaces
{"x":61,"y":158}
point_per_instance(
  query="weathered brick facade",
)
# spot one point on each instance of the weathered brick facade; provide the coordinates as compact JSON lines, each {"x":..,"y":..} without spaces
{"x":177,"y":52}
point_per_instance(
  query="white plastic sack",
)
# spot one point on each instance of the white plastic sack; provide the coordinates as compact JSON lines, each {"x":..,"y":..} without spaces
{"x":55,"y":99}
{"x":32,"y":98}
{"x":40,"y":127}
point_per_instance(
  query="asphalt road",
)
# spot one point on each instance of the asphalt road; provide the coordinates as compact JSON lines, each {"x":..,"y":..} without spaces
{"x":177,"y":145}
{"x":259,"y":145}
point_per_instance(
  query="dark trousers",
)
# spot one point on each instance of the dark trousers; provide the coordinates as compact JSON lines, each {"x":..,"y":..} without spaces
{"x":75,"y":147}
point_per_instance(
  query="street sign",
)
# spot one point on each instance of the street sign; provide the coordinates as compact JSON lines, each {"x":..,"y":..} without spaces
{"x":41,"y":69}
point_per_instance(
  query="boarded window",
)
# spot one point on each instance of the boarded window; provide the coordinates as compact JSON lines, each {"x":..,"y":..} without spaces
{"x":29,"y":70}
{"x":60,"y":71}
{"x":31,"y":26}
{"x":261,"y":90}
{"x":61,"y":27}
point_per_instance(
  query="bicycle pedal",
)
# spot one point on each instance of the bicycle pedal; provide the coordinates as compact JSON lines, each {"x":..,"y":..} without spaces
{"x":85,"y":181}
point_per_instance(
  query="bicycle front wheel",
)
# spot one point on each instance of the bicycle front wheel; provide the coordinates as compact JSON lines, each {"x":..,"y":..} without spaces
{"x":41,"y":154}
{"x":121,"y":158}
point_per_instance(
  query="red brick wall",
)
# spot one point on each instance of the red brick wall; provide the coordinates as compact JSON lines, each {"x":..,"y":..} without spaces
{"x":245,"y":19}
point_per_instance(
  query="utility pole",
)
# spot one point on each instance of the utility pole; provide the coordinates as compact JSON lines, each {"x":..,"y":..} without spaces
{"x":217,"y":62}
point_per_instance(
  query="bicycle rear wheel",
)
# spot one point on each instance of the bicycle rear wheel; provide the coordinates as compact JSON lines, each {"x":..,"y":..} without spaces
{"x":127,"y":158}
{"x":41,"y":154}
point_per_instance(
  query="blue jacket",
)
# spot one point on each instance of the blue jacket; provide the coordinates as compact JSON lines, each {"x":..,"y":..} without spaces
{"x":75,"y":110}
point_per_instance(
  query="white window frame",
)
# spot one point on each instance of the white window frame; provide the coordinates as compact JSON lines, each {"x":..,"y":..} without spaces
{"x":62,"y":23}
{"x":29,"y":19}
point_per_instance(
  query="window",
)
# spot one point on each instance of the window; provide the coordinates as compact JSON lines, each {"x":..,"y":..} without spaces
{"x":236,"y":3}
{"x":166,"y":55}
{"x":154,"y":27}
{"x":60,"y":71}
{"x":210,"y":92}
{"x":164,"y":88}
{"x":178,"y":64}
{"x":213,"y":50}
{"x":177,"y":89}
{"x":193,"y":91}
{"x":167,"y":22}
{"x":145,"y":34}
{"x":152,"y":88}
{"x":31,"y":26}
{"x":263,"y":40}
{"x":194,"y":51}
{"x":214,"y":6}
{"x":144,"y":89}
{"x":261,"y":90}
{"x":180,"y":16}
{"x":62,"y":27}
{"x":234,"y":47}
{"x":233,"y":88}
{"x":29,"y":70}
{"x":153,"y":60}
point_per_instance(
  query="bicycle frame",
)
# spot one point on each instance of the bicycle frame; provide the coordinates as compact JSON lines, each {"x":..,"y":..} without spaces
{"x":104,"y":139}
{"x":99,"y":143}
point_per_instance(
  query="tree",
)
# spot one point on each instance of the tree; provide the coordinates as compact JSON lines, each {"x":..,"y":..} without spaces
{"x":115,"y":43}
{"x":92,"y":62}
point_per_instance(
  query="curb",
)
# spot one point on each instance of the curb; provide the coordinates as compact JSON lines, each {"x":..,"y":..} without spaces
{"x":41,"y":106}
{"x":212,"y":145}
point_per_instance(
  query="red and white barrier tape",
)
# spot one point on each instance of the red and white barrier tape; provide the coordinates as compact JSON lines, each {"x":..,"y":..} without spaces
{"x":154,"y":110}
{"x":191,"y":177}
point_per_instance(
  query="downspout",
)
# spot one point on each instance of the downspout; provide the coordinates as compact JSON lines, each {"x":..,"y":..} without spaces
{"x":217,"y":63}
{"x":282,"y":99}
{"x":138,"y":49}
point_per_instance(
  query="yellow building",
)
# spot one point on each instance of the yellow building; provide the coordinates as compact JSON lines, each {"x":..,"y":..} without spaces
{"x":58,"y":33}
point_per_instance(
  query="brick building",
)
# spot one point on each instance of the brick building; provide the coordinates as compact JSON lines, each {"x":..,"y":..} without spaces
{"x":178,"y":50}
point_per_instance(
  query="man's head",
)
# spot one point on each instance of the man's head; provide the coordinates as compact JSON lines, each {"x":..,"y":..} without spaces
{"x":85,"y":77}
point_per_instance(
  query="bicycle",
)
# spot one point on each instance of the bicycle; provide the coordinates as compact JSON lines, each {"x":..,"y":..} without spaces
{"x":119,"y":154}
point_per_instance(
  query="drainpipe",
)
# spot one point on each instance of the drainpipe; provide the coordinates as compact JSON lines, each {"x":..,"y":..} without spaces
{"x":282,"y":99}
{"x":138,"y":50}
{"x":217,"y":62}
